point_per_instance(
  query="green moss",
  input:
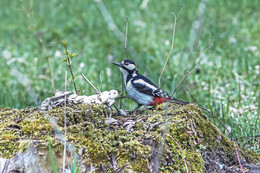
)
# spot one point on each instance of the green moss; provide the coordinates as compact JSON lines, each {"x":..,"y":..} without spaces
{"x":8,"y":144}
{"x":149,"y":142}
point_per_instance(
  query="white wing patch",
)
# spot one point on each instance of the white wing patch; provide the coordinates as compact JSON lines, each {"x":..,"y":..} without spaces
{"x":134,"y":74}
{"x":141,"y":81}
{"x":162,"y":93}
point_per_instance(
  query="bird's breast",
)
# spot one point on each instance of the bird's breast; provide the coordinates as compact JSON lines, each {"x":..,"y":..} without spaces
{"x":137,"y":96}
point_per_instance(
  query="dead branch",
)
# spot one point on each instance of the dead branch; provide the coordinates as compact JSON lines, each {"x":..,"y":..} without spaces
{"x":238,"y":159}
{"x":65,"y":121}
{"x":173,"y":34}
{"x":126,"y":31}
{"x":183,"y":157}
{"x":90,"y":83}
{"x":198,"y":60}
{"x":126,"y":53}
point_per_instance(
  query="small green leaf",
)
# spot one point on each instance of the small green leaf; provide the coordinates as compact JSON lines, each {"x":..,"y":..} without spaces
{"x":184,"y":153}
{"x":73,"y":55}
{"x":65,"y":43}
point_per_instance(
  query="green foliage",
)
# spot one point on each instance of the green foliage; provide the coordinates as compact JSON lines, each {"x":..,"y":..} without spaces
{"x":68,"y":59}
{"x":69,"y":56}
{"x":51,"y":157}
{"x":227,"y":81}
{"x":74,"y":164}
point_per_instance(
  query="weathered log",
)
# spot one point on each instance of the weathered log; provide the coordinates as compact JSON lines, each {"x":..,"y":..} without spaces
{"x":138,"y":143}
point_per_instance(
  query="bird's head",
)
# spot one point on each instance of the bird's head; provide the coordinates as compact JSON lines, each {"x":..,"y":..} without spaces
{"x":126,"y":67}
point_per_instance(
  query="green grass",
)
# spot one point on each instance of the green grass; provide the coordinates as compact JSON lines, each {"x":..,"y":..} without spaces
{"x":227,"y":81}
{"x":51,"y":157}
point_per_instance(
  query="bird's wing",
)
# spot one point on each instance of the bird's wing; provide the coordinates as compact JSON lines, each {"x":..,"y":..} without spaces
{"x":145,"y":86}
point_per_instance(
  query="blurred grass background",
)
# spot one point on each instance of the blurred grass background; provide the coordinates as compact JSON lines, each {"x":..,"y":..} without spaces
{"x":227,"y":81}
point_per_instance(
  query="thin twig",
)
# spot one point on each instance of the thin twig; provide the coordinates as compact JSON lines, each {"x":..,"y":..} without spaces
{"x":72,"y":76}
{"x":65,"y":126}
{"x":126,"y":53}
{"x":238,"y":159}
{"x":90,"y":83}
{"x":173,"y":34}
{"x":122,"y":97}
{"x":126,"y":31}
{"x":183,"y":158}
{"x":237,"y":155}
{"x":114,"y":28}
{"x":115,"y":108}
{"x":198,"y":60}
{"x":101,"y":81}
{"x":122,"y":84}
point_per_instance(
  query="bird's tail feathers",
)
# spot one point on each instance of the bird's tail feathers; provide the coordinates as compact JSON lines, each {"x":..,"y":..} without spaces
{"x":174,"y":100}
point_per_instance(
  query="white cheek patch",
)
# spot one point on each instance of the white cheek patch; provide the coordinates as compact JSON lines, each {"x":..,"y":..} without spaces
{"x":131,"y":66}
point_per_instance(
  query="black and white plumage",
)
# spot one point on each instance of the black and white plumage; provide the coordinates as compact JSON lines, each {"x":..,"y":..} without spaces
{"x":141,"y":89}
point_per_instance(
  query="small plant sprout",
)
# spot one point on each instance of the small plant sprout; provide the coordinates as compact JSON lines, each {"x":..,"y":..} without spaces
{"x":68,"y":59}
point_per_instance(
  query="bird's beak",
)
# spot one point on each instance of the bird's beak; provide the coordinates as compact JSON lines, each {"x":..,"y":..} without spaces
{"x":118,"y":64}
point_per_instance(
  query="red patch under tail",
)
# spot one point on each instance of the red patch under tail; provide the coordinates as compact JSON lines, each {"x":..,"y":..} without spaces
{"x":159,"y":100}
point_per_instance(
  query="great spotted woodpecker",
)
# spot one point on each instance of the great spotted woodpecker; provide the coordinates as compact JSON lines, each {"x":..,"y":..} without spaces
{"x":141,"y":89}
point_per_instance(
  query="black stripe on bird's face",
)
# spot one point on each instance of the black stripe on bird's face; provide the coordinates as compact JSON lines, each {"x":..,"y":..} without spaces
{"x":127,"y":65}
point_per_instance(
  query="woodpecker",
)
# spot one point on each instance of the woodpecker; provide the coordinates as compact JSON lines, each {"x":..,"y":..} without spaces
{"x":142,"y":90}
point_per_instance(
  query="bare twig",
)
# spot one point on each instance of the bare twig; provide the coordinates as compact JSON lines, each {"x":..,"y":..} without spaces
{"x":238,"y":159}
{"x":183,"y":157}
{"x":115,"y":107}
{"x":126,"y":53}
{"x":122,"y":97}
{"x":114,"y":28}
{"x":73,"y":78}
{"x":198,"y":60}
{"x":100,"y":85}
{"x":122,"y":84}
{"x":90,"y":83}
{"x":126,"y":31}
{"x":65,"y":126}
{"x":173,"y":34}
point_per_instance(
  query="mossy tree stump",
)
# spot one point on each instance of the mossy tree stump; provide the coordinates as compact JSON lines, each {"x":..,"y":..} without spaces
{"x":138,"y":143}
